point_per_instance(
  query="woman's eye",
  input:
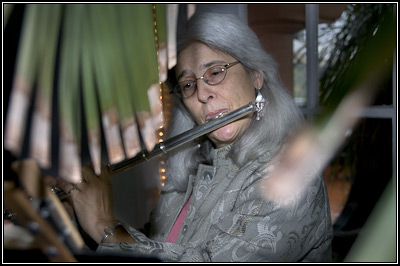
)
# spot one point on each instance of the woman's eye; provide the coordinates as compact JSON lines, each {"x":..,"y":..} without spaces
{"x":216,"y":72}
{"x":213,"y":74}
{"x":187,"y":85}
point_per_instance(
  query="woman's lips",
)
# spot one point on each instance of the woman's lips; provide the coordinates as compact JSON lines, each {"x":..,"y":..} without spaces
{"x":216,"y":114}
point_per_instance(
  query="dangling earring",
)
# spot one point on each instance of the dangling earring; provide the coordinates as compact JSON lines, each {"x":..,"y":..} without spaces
{"x":260,"y":102}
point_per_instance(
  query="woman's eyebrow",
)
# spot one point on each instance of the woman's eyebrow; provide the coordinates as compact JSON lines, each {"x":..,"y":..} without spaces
{"x":183,"y":73}
{"x":211,"y":63}
{"x":203,"y":66}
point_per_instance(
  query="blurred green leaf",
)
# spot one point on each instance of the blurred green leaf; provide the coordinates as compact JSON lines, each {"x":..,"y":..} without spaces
{"x":8,"y":8}
{"x":69,"y":90}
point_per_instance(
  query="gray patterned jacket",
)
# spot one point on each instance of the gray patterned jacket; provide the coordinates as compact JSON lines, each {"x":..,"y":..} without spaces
{"x":228,"y":220}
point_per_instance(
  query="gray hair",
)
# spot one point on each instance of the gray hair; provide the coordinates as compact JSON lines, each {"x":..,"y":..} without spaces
{"x":228,"y":34}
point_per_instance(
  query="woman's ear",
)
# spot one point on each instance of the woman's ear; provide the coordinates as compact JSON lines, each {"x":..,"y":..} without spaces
{"x":258,"y":80}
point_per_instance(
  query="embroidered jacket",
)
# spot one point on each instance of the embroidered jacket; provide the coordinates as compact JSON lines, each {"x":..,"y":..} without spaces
{"x":229,"y":221}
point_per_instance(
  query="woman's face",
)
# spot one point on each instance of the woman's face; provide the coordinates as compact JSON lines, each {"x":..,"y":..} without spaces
{"x":208,"y":101}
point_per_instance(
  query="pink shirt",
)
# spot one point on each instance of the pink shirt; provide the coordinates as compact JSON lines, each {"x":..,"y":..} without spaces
{"x":173,"y":234}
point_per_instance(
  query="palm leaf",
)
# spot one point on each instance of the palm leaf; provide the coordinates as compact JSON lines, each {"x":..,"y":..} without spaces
{"x":106,"y":91}
{"x":7,"y":12}
{"x":23,"y":82}
{"x":69,"y":95}
{"x":41,"y":125}
{"x":105,"y":61}
{"x":90,"y":98}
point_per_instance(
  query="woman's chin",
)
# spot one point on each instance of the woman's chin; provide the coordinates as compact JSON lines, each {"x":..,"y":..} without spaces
{"x":223,"y":136}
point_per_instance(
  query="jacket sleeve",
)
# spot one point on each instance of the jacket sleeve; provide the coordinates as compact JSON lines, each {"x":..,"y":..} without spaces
{"x":148,"y":248}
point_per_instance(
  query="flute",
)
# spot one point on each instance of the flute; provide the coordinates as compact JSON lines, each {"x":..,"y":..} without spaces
{"x":174,"y":142}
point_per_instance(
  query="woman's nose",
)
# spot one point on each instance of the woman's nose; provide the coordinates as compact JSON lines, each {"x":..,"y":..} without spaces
{"x":205,"y":92}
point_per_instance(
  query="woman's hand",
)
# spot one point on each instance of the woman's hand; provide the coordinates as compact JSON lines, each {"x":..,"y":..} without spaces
{"x":92,"y":200}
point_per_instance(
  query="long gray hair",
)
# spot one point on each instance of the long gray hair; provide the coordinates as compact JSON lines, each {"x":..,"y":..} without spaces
{"x":228,"y":34}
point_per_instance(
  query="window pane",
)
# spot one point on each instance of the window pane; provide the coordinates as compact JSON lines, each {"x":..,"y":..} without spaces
{"x":338,"y":47}
{"x":326,"y":44}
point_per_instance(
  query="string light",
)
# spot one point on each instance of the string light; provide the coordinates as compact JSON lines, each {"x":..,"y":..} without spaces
{"x":162,"y":170}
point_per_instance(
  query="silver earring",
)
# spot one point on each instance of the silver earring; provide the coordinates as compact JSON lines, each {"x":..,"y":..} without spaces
{"x":260,"y":102}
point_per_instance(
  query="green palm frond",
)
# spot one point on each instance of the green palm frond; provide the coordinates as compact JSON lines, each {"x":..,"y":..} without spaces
{"x":101,"y":59}
{"x":41,"y":126}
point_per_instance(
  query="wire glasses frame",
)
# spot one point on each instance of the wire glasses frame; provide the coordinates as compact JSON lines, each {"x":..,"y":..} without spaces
{"x":213,"y":76}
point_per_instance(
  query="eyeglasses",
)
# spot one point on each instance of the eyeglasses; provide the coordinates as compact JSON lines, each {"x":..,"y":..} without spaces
{"x":213,"y":76}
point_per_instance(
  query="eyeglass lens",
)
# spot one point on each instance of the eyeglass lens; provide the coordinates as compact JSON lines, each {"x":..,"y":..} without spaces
{"x":212,"y":76}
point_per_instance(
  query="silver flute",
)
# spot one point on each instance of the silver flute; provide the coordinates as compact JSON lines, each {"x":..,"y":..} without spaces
{"x":174,"y":142}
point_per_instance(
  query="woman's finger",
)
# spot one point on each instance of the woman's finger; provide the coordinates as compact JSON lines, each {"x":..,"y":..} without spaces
{"x":88,"y":174}
{"x":65,"y":186}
